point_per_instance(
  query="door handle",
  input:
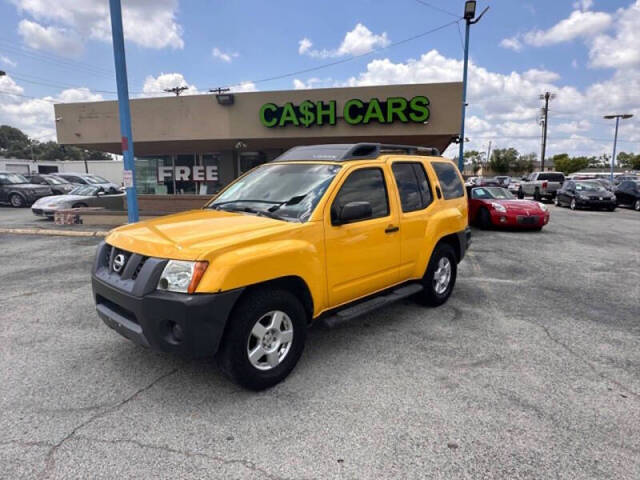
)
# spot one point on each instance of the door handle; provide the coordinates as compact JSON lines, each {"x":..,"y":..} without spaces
{"x":391,"y":229}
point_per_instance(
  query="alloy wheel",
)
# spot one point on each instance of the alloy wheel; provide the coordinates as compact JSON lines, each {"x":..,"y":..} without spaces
{"x":636,"y":206}
{"x":16,"y":201}
{"x":442,"y":276}
{"x":270,"y":340}
{"x":573,"y":204}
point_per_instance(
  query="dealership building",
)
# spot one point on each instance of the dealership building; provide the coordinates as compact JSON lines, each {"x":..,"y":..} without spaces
{"x":196,"y":144}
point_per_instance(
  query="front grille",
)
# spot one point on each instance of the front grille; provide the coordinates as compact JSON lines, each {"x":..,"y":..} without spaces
{"x":532,"y":220}
{"x":139,"y":267}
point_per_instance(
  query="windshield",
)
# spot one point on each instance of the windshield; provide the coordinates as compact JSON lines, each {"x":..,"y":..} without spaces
{"x":288,"y":191}
{"x":589,"y":186}
{"x":55,"y":180}
{"x":84,"y":190}
{"x":487,"y":193}
{"x":12,"y":179}
{"x":95,"y":179}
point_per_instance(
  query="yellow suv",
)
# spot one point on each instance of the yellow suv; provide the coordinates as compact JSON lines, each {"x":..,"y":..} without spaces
{"x":322,"y":233}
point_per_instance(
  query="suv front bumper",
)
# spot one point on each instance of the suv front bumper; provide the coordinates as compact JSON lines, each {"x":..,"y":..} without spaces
{"x":129,"y":303}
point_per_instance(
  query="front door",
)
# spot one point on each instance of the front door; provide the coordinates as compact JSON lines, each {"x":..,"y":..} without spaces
{"x":362,"y":256}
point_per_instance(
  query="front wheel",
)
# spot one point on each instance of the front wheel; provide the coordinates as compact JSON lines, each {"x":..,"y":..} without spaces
{"x":264,"y":339}
{"x":573,"y":204}
{"x":440,"y":277}
{"x":556,"y":201}
{"x":484,"y":219}
{"x":17,"y":201}
{"x":636,"y":206}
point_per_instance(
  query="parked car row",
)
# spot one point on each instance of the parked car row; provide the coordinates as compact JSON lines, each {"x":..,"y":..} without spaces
{"x":25,"y":190}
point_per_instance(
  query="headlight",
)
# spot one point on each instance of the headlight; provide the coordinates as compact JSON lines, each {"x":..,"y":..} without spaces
{"x":499,"y":208}
{"x":542,"y":206}
{"x":180,"y":276}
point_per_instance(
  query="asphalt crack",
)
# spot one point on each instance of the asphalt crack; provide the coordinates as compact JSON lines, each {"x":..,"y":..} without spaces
{"x":50,"y":460}
{"x":248,"y":464}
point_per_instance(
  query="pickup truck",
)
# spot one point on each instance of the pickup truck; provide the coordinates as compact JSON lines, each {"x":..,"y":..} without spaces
{"x":541,"y":185}
{"x":323,"y":233}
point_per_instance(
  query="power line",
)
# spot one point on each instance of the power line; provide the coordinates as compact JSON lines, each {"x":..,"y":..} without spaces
{"x":344,"y":60}
{"x":460,"y":35}
{"x":435,"y":7}
{"x":5,"y":92}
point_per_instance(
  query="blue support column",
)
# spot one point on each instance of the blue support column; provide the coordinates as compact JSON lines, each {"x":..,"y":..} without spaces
{"x":615,"y":141}
{"x":129,"y":173}
{"x":464,"y":95}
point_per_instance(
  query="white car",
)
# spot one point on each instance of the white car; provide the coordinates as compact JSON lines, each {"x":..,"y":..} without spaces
{"x":81,"y":196}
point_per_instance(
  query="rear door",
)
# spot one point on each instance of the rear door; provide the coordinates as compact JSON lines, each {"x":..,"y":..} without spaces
{"x":363,"y":256}
{"x":415,"y":197}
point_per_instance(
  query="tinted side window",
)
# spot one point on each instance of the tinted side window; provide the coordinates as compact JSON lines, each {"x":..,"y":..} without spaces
{"x":551,"y":177}
{"x":449,"y":180}
{"x":413,"y":185}
{"x":365,"y":185}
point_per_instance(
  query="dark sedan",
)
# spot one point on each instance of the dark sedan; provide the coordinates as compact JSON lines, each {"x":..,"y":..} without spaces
{"x":17,"y":191}
{"x":628,"y":194}
{"x":59,"y":185}
{"x":585,"y":194}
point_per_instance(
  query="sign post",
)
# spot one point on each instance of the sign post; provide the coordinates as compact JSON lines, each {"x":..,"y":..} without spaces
{"x":128,"y":174}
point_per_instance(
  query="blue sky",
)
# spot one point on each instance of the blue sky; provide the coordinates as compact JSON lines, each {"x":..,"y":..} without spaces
{"x":587,"y":52}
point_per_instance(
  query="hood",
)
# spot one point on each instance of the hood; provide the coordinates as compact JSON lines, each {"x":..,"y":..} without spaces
{"x":28,"y":186}
{"x":519,"y":205}
{"x":190,"y":235}
{"x":58,"y":200}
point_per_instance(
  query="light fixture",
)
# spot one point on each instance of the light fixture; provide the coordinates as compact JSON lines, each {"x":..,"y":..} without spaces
{"x":225,"y":98}
{"x":469,"y":9}
{"x":624,"y":116}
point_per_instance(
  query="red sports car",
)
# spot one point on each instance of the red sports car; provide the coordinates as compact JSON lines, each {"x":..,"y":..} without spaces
{"x":496,"y":206}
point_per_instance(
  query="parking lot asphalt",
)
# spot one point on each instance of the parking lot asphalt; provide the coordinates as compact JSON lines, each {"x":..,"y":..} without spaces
{"x":531,"y":370}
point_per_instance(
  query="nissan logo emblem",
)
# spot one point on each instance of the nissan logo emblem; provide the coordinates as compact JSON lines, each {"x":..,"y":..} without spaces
{"x":118,"y":263}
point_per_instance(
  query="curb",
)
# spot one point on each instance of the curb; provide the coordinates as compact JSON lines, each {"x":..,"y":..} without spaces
{"x":48,"y":232}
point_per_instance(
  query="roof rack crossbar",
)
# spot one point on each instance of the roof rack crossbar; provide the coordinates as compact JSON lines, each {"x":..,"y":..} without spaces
{"x":364,"y":150}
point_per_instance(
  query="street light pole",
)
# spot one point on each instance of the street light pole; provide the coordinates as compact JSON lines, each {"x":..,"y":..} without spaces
{"x":624,"y":116}
{"x":129,"y":172}
{"x":469,"y":14}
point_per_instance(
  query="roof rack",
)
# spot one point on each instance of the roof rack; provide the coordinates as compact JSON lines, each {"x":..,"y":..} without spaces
{"x":340,"y":152}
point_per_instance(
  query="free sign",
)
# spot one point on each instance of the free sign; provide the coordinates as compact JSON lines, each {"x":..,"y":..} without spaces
{"x":197,"y":173}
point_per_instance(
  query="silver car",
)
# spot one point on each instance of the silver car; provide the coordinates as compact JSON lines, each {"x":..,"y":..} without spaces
{"x":81,"y":196}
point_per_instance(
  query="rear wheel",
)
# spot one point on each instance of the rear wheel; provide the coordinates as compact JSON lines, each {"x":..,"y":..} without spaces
{"x":484,"y":219}
{"x":440,"y":277}
{"x":573,"y":205}
{"x":536,"y":195}
{"x":556,"y":201}
{"x":79,"y":205}
{"x":520,"y":193}
{"x":17,"y":200}
{"x":264,"y":339}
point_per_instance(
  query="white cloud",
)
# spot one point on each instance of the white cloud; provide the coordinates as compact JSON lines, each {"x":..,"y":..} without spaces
{"x":540,"y":76}
{"x":244,"y":87}
{"x":35,"y":116}
{"x":155,"y":86}
{"x":512,"y":43}
{"x":583,"y":4}
{"x":621,"y":50}
{"x":147,"y":23}
{"x":226,"y":57}
{"x":7,"y":61}
{"x":358,"y":41}
{"x":580,"y":24}
{"x":311,"y":83}
{"x":58,"y":40}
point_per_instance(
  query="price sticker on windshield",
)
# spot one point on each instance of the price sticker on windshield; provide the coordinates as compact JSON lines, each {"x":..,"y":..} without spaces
{"x":127,"y":178}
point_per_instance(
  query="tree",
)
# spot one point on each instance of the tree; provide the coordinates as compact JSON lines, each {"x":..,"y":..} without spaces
{"x":503,"y":160}
{"x":15,"y":144}
{"x":629,"y":160}
{"x":524,"y":164}
{"x":568,"y":165}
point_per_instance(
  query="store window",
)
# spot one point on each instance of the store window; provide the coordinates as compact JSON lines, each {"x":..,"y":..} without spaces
{"x":183,"y":174}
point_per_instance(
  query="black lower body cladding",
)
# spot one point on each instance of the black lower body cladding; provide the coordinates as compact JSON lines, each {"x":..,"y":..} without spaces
{"x":191,"y":325}
{"x":464,"y":239}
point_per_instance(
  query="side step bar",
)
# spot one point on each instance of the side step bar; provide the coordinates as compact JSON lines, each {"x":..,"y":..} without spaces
{"x":349,"y":313}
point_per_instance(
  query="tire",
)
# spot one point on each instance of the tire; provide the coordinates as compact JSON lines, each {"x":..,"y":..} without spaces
{"x":536,"y":196}
{"x":537,"y":229}
{"x":17,"y":201}
{"x":79,"y":205}
{"x":484,"y":219}
{"x":611,"y":209}
{"x":520,"y":193}
{"x":573,"y":204}
{"x":636,"y":205}
{"x":265,"y":307}
{"x":437,"y":287}
{"x":556,"y":201}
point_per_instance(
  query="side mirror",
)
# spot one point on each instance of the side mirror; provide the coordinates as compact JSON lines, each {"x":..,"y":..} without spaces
{"x":353,"y":211}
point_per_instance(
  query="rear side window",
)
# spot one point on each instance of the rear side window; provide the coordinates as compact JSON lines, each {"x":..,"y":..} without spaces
{"x":551,"y":177}
{"x":364,"y":185}
{"x":449,"y":180}
{"x":413,"y":185}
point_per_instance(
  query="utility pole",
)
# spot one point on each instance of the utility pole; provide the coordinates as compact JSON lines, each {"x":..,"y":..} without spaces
{"x":624,"y":116}
{"x":489,"y":152}
{"x":129,"y":172}
{"x":176,"y":90}
{"x":219,"y":90}
{"x":545,"y":112}
{"x":469,"y":14}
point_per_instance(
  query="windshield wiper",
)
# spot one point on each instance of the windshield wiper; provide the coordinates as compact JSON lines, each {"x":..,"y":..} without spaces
{"x":292,"y":201}
{"x":216,"y":204}
{"x":254,"y":211}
